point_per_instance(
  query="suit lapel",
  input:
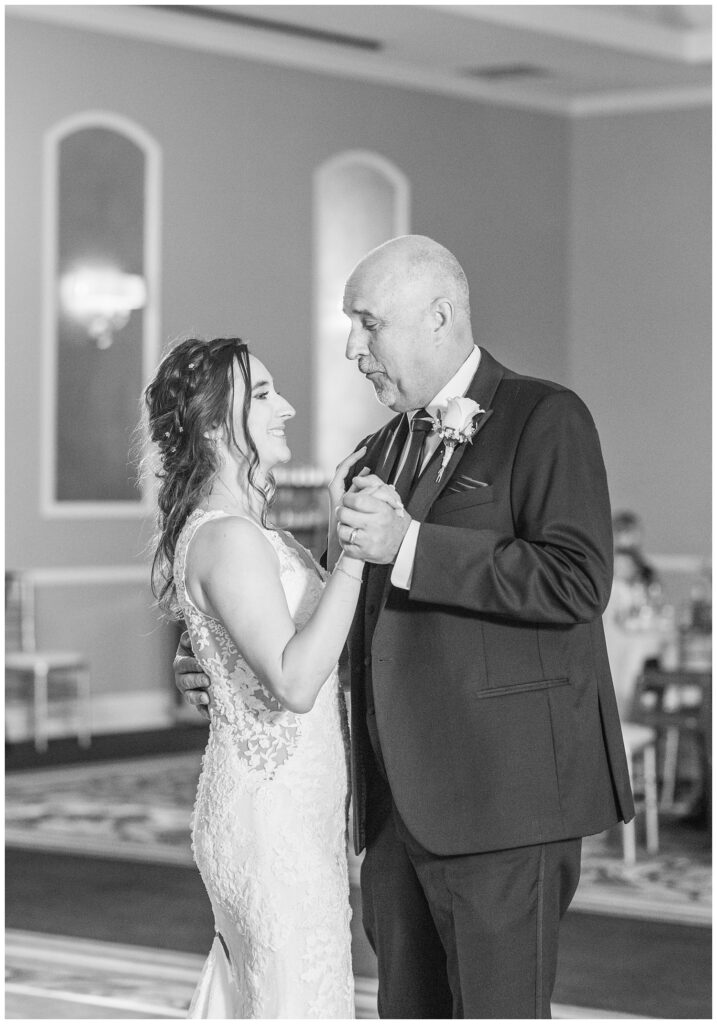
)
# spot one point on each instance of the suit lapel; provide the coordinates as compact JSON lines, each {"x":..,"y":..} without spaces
{"x":482,"y":389}
{"x":382,"y":449}
{"x":392,"y":450}
{"x":427,"y":489}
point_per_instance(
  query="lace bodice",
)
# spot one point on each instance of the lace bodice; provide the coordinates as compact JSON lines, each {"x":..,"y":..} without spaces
{"x":264,"y":731}
{"x":269,"y":823}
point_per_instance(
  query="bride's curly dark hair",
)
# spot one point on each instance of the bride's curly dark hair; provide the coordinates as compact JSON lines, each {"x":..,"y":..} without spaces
{"x":191,"y":395}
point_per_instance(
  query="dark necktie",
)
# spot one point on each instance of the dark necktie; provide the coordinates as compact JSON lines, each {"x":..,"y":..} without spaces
{"x":421,"y":426}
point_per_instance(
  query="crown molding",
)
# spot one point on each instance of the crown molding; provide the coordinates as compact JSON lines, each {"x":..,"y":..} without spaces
{"x":176,"y":29}
{"x":597,"y":26}
{"x":638,"y":101}
{"x":180,"y":30}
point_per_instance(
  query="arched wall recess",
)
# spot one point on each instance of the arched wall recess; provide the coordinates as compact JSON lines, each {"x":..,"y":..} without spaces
{"x":100,"y":312}
{"x":361,"y":199}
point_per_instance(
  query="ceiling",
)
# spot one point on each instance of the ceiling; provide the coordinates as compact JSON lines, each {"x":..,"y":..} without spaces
{"x":574,"y":59}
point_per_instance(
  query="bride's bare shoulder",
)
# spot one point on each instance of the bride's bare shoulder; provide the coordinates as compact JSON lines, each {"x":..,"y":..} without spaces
{"x":231,"y":538}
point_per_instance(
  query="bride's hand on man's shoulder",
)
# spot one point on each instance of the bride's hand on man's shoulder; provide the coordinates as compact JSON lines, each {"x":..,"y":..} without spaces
{"x":337,"y":485}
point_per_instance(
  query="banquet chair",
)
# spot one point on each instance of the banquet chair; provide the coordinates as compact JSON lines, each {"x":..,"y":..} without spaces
{"x":677,"y":704}
{"x":47,"y":670}
{"x":641,"y":743}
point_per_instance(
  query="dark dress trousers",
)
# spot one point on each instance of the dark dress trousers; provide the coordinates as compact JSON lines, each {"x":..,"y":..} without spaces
{"x":485,"y":731}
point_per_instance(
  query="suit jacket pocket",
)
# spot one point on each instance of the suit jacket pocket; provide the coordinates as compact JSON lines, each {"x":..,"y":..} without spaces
{"x":535,"y":684}
{"x":462,"y":499}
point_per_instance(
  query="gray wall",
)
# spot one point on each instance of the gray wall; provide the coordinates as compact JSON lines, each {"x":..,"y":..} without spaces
{"x":639,"y":334}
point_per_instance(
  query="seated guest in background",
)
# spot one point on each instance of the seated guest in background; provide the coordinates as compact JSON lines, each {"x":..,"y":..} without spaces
{"x":635,"y":629}
{"x":627,"y":532}
{"x":632,"y":581}
{"x":267,"y":627}
{"x":627,"y":529}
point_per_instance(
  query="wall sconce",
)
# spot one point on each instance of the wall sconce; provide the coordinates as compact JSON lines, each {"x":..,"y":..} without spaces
{"x":102,"y":298}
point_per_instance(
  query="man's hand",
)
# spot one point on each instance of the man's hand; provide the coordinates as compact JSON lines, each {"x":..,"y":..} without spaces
{"x":189,"y":679}
{"x":372,"y":520}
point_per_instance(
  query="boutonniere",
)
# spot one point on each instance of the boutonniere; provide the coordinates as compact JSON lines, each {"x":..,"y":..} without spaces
{"x":456,"y":425}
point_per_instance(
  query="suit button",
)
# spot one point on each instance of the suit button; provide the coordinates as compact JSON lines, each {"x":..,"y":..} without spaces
{"x":371,"y":609}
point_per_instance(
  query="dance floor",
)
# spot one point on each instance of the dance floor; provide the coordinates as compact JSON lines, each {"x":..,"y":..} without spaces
{"x":79,"y":979}
{"x":86,"y":978}
{"x":71,"y":979}
{"x":140,"y":809}
{"x":107,"y":917}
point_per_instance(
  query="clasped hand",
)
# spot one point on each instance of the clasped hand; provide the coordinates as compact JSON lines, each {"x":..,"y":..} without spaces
{"x":371,"y":519}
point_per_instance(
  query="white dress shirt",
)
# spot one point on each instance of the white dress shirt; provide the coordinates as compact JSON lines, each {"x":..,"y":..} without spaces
{"x":456,"y":387}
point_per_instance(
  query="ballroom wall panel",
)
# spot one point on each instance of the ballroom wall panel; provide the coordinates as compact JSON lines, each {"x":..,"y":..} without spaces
{"x":640,"y":334}
{"x":109,"y":615}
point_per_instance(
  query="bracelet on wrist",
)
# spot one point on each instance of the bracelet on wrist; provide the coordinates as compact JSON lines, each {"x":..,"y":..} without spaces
{"x":339,"y":568}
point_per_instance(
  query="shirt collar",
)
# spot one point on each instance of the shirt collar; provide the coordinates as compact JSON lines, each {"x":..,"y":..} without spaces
{"x":456,"y":386}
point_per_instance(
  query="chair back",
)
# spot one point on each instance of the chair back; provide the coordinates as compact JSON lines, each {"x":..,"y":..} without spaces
{"x":19,"y":612}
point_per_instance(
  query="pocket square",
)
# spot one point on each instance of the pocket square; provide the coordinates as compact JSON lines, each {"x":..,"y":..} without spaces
{"x":464,"y":483}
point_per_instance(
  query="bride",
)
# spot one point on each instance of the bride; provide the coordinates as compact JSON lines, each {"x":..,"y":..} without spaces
{"x":267,"y":625}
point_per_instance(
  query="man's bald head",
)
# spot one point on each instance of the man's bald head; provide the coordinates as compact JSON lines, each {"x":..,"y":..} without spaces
{"x":416,"y":260}
{"x":410,"y":319}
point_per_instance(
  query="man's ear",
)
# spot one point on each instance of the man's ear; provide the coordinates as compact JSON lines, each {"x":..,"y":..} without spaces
{"x":443,"y":316}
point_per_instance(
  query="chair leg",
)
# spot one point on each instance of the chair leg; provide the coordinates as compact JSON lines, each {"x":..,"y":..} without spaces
{"x":39,"y":708}
{"x":669,"y":776}
{"x":84,"y":734}
{"x":651,"y":817}
{"x":629,"y":848}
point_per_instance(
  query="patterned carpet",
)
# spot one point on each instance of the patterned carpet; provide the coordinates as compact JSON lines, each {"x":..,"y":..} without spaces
{"x":140,"y":809}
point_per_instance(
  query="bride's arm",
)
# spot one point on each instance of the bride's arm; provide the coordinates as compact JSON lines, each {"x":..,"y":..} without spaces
{"x":336,"y":491}
{"x":235,"y":572}
{"x":333,"y":548}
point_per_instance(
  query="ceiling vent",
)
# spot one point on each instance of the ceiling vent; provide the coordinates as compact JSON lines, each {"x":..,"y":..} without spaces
{"x":284,"y":28}
{"x":508,"y":72}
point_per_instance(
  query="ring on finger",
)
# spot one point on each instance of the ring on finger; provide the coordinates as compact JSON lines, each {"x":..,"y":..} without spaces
{"x":353,"y":535}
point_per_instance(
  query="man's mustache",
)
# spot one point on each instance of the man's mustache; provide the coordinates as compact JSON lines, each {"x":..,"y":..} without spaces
{"x":366,"y":368}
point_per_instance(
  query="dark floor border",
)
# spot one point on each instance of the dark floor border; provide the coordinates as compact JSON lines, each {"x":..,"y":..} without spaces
{"x":108,"y":747}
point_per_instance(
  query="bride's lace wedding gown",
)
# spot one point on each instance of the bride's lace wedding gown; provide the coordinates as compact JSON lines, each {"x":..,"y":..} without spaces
{"x":269,"y":824}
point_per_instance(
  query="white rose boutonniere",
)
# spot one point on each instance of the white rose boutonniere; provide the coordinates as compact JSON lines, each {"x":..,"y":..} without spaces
{"x":456,"y":425}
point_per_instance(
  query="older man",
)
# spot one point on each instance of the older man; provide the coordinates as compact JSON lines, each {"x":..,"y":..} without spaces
{"x":485,"y":734}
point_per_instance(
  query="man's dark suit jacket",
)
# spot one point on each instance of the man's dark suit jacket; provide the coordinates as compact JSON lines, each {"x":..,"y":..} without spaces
{"x":494,"y":705}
